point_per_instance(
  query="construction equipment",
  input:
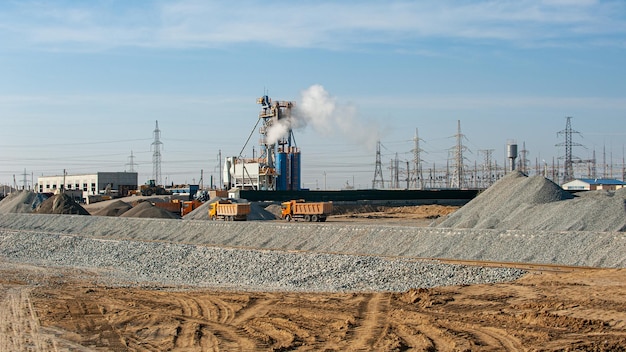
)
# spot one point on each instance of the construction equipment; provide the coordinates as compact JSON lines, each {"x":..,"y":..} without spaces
{"x":229,"y":211}
{"x":299,"y":209}
{"x":151,"y":188}
{"x":173,"y":206}
{"x":189,"y":206}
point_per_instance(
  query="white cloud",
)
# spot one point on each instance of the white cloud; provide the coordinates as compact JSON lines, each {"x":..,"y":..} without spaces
{"x":192,"y":23}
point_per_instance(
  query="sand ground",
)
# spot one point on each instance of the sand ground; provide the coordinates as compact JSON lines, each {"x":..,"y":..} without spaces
{"x":550,"y":309}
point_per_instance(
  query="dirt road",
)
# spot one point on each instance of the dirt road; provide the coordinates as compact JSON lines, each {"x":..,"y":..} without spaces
{"x":46,"y":309}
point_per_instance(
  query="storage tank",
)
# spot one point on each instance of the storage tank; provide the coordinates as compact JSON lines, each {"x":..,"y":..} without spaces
{"x":281,"y":168}
{"x":294,"y":158}
{"x":511,"y":153}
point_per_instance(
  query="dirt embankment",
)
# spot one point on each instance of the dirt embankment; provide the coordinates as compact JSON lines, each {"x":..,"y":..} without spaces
{"x":550,"y":311}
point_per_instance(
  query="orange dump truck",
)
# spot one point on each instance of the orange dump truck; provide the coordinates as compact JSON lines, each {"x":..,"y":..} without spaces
{"x":189,"y":206}
{"x":299,"y":209}
{"x":227,"y":210}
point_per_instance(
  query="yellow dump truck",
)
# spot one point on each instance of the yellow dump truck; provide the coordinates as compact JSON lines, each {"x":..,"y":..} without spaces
{"x":313,"y":211}
{"x":229,"y":211}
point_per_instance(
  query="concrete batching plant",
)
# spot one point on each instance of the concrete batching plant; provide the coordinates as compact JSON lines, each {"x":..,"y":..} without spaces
{"x":278,"y":167}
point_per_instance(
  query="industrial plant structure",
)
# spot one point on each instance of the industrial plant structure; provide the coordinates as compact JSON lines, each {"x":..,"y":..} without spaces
{"x":278,"y":167}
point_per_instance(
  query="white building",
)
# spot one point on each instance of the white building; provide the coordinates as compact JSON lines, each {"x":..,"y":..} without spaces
{"x":592,"y":184}
{"x":118,"y":183}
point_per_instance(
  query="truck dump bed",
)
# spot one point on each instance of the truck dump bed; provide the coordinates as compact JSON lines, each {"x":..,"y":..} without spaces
{"x":233,"y":209}
{"x":312,"y":208}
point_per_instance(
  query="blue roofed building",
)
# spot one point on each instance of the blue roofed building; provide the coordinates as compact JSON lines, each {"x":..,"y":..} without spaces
{"x":592,"y":184}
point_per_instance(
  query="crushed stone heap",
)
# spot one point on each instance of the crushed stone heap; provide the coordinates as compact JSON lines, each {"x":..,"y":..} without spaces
{"x":519,"y":202}
{"x":116,"y":208}
{"x":147,"y":210}
{"x":61,"y":204}
{"x":21,"y":202}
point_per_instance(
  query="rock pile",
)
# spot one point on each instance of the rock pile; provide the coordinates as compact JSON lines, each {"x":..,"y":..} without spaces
{"x":21,"y":202}
{"x":518,"y":202}
{"x":147,"y":210}
{"x":116,"y":208}
{"x":60,"y":204}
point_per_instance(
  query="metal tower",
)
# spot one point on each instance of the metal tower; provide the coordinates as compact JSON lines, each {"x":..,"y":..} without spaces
{"x":487,"y":178}
{"x":378,"y":173}
{"x":416,"y":177}
{"x":458,"y":176}
{"x":523,"y":161}
{"x":568,"y":172}
{"x":156,"y":155}
{"x":131,"y":162}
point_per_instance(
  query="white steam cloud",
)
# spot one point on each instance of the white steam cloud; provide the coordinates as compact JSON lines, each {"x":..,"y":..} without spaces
{"x":318,"y":109}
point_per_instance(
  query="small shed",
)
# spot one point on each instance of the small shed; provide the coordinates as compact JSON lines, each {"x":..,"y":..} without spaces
{"x":592,"y":184}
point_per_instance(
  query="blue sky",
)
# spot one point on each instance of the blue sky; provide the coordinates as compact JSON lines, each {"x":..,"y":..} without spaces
{"x":83,"y":82}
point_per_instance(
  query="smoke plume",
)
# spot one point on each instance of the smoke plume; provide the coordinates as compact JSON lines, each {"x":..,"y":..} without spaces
{"x":318,"y":109}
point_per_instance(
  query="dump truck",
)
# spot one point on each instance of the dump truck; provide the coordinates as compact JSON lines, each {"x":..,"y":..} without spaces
{"x":308,"y":211}
{"x":189,"y":206}
{"x":229,"y":211}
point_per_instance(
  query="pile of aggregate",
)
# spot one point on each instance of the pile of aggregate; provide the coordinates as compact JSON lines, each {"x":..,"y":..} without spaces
{"x":115,"y":208}
{"x":60,"y":204}
{"x":21,"y":202}
{"x":519,"y":202}
{"x":257,"y":211}
{"x":577,"y":248}
{"x":147,"y":210}
{"x":240,"y":269}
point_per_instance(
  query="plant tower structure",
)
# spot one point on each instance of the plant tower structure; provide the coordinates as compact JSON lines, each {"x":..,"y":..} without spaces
{"x":156,"y":155}
{"x":568,"y":171}
{"x":280,"y":157}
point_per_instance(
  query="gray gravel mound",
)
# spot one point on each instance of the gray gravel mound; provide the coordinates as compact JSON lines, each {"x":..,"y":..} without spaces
{"x":115,"y":208}
{"x":21,"y":202}
{"x":147,"y":210}
{"x":194,"y":265}
{"x":518,"y":202}
{"x":580,"y":248}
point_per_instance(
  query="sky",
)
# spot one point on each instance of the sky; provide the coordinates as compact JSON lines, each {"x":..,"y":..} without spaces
{"x":82,"y":83}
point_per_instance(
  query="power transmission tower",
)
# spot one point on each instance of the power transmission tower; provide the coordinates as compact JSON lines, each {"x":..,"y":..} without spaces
{"x":487,"y":179}
{"x":131,"y":162}
{"x":378,"y":172}
{"x":156,"y":155}
{"x":25,"y":180}
{"x":568,"y":172}
{"x":416,"y":177}
{"x":458,"y":177}
{"x":523,"y":160}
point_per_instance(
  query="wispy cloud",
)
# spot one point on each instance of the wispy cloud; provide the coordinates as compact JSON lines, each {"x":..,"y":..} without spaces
{"x":330,"y":25}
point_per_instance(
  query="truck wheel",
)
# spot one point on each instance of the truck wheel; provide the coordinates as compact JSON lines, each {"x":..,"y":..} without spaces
{"x":323,"y":219}
{"x":213,"y":217}
{"x":288,"y":218}
{"x":314,"y":218}
{"x":307,"y":218}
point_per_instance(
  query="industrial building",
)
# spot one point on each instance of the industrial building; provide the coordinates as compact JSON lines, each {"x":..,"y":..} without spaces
{"x":278,"y":167}
{"x":114,"y":183}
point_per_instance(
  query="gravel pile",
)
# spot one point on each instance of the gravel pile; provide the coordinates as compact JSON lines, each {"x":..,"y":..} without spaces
{"x":147,"y":210}
{"x":21,"y":202}
{"x":518,"y":202}
{"x":240,"y":269}
{"x":581,"y":248}
{"x":60,"y":204}
{"x":115,"y":208}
